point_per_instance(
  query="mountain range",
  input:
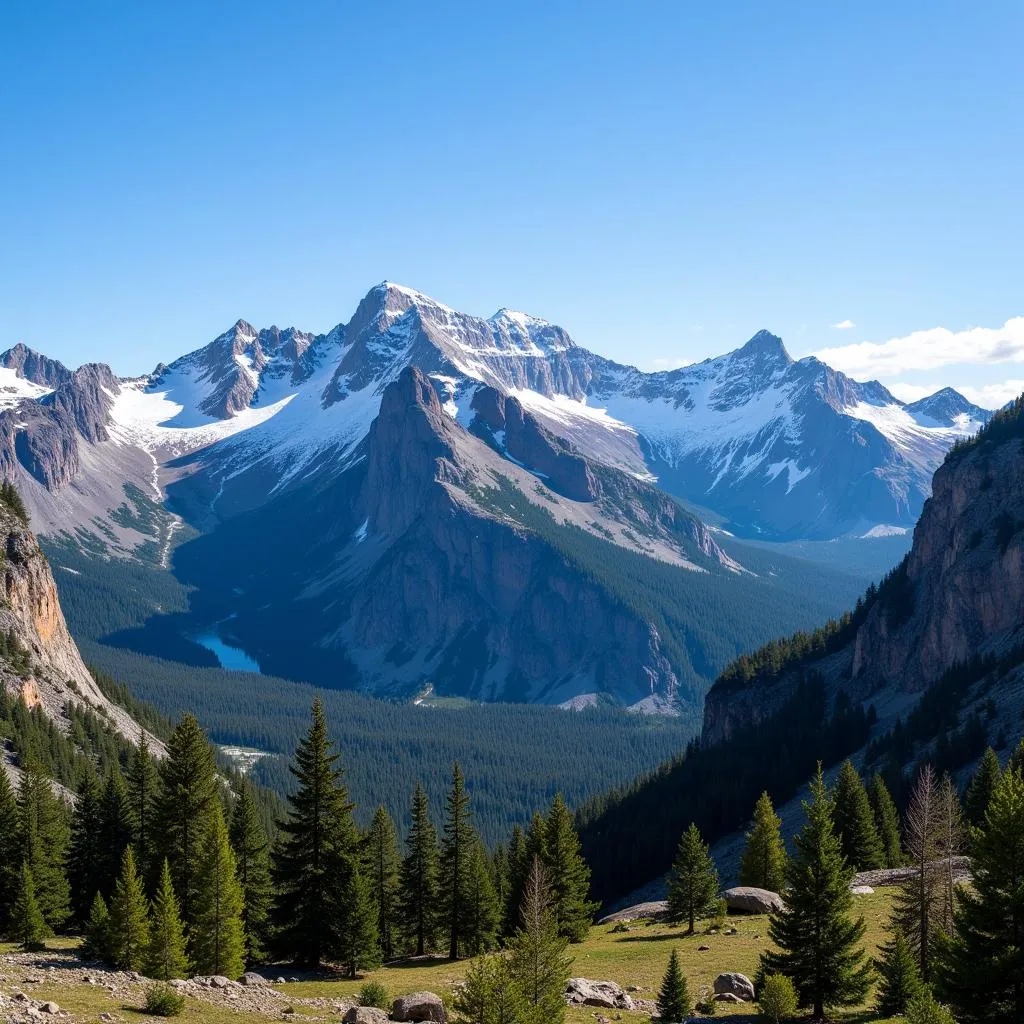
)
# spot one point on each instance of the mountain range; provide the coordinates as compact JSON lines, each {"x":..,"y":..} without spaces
{"x":422,"y":495}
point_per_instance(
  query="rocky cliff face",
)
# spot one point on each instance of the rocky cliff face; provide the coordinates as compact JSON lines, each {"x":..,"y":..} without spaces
{"x":958,"y":595}
{"x":35,"y":367}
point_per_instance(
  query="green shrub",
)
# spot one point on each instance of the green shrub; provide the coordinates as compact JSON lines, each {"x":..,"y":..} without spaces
{"x":373,"y":993}
{"x":163,"y":1001}
{"x":924,"y":1009}
{"x":778,"y":998}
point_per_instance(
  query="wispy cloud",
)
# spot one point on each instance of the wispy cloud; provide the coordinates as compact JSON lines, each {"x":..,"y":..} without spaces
{"x":927,"y":350}
{"x":844,"y":325}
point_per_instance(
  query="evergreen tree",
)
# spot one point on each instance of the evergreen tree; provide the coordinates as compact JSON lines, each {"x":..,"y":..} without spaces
{"x":482,"y":918}
{"x":498,"y":863}
{"x":517,"y":870}
{"x":457,"y":846}
{"x":980,"y":971}
{"x":899,"y":977}
{"x":674,"y":997}
{"x":218,"y":939}
{"x":537,"y":962}
{"x":854,"y":822}
{"x":249,"y":843}
{"x":693,"y":881}
{"x":887,"y":821}
{"x":916,"y":903}
{"x":567,"y":873}
{"x":1016,"y":762}
{"x":536,"y":836}
{"x":490,"y":995}
{"x":165,"y":954}
{"x":981,"y":787}
{"x":28,"y":926}
{"x":382,"y":874}
{"x":764,"y":856}
{"x":143,"y":784}
{"x":951,"y":844}
{"x":818,"y":941}
{"x":116,"y":831}
{"x":43,"y":839}
{"x":186,"y":798}
{"x":129,"y":921}
{"x":96,"y":943}
{"x":417,"y":898}
{"x":355,"y":914}
{"x":10,"y":852}
{"x":315,"y":857}
{"x":85,"y":855}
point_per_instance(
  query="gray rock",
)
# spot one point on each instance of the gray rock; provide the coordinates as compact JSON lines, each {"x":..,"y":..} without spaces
{"x":748,"y":899}
{"x":735,"y":984}
{"x":727,"y":997}
{"x":364,"y":1015}
{"x":49,"y":1008}
{"x":419,"y":1006}
{"x":606,"y":994}
{"x":252,"y":978}
{"x":861,"y":890}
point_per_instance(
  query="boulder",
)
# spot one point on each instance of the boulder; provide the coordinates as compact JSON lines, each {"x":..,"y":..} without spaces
{"x":49,"y":1008}
{"x":219,"y":981}
{"x":861,"y":890}
{"x":748,"y":899}
{"x":735,"y":984}
{"x":727,"y":997}
{"x":419,"y":1006}
{"x":252,"y":978}
{"x":607,"y":994}
{"x":364,"y":1015}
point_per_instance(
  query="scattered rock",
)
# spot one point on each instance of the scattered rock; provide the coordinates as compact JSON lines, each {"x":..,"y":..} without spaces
{"x":219,"y":981}
{"x":252,"y":978}
{"x":655,"y":910}
{"x":703,"y":949}
{"x":364,"y":1015}
{"x":727,"y":997}
{"x":748,"y":899}
{"x":606,"y":994}
{"x":730,"y":931}
{"x":419,"y":1006}
{"x":49,"y":1008}
{"x":861,"y":890}
{"x":736,"y":984}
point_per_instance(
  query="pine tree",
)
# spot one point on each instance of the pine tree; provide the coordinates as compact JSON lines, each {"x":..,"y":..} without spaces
{"x":498,"y":863}
{"x":96,"y":943}
{"x":490,"y":995}
{"x":854,"y":822}
{"x":85,"y":855}
{"x":218,"y":940}
{"x":382,"y":874}
{"x":981,"y":787}
{"x":456,"y":852}
{"x":28,"y":926}
{"x":116,"y":829}
{"x":537,"y":962}
{"x":318,"y":847}
{"x":165,"y":954}
{"x":418,"y":897}
{"x":129,"y":919}
{"x":43,"y":839}
{"x":355,"y":916}
{"x":818,"y":941}
{"x":143,"y":784}
{"x":899,"y":977}
{"x":186,"y":797}
{"x":252,"y":865}
{"x":518,"y":869}
{"x":980,"y":971}
{"x":916,"y":903}
{"x":567,"y":873}
{"x":674,"y":997}
{"x":764,"y":857}
{"x":693,"y":881}
{"x":887,"y":821}
{"x":482,"y":918}
{"x":10,"y":852}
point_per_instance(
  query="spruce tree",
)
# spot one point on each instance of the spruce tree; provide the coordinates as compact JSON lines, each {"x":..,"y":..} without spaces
{"x":355,"y":916}
{"x":818,"y":941}
{"x":252,"y":865}
{"x":116,"y":830}
{"x":693,"y":881}
{"x":981,"y":787}
{"x":129,"y":918}
{"x":899,"y":979}
{"x":315,"y":854}
{"x":165,"y":954}
{"x":10,"y":851}
{"x":567,"y":873}
{"x":186,"y":798}
{"x":43,"y":836}
{"x":218,"y":939}
{"x":85,"y":853}
{"x":674,"y":997}
{"x":417,"y":898}
{"x":498,"y":863}
{"x":855,"y":822}
{"x":456,"y":853}
{"x":517,"y":869}
{"x":764,"y":857}
{"x":382,"y":875}
{"x":482,"y":918}
{"x":537,"y":961}
{"x":96,"y":942}
{"x":143,"y":783}
{"x":980,"y":971}
{"x":887,"y":821}
{"x":28,"y":925}
{"x":490,"y":995}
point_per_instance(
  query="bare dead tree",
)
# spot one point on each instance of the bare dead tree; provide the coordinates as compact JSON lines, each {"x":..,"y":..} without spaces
{"x":951,"y":844}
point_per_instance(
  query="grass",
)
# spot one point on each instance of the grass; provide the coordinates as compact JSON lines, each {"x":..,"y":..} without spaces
{"x":634,"y":958}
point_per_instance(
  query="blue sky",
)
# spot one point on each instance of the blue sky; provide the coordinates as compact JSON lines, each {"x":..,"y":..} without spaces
{"x":661,"y":179}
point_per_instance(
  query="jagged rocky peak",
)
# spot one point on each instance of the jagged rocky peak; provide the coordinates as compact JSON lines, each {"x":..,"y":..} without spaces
{"x":947,"y":407}
{"x":765,"y":345}
{"x":35,"y":367}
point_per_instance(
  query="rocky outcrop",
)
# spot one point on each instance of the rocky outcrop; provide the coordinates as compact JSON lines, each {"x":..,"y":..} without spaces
{"x":606,"y":994}
{"x":734,"y":984}
{"x":419,"y":1006}
{"x":748,"y":899}
{"x":86,"y":399}
{"x":33,"y":366}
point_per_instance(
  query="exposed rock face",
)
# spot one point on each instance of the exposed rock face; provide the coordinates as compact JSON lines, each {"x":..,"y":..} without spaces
{"x":606,"y":994}
{"x":87,"y":399}
{"x":37,"y":368}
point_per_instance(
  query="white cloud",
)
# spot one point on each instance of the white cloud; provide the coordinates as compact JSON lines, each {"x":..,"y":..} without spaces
{"x":927,"y":350}
{"x":914,"y":392}
{"x":993,"y":396}
{"x":844,"y":325}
